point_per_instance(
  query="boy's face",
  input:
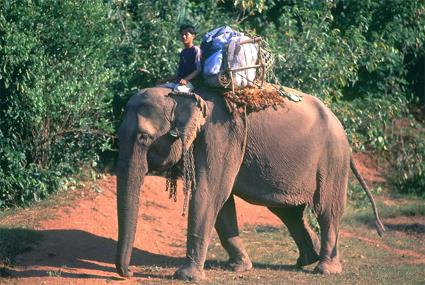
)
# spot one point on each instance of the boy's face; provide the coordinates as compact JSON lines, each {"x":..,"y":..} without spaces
{"x":187,"y":37}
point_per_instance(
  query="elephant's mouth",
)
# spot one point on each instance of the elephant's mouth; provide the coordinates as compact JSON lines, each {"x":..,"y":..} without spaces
{"x":164,"y":154}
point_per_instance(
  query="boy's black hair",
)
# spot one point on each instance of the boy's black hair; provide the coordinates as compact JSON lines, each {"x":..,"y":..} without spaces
{"x":191,"y":29}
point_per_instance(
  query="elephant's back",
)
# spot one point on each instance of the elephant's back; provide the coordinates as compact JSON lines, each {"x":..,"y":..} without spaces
{"x":306,"y":119}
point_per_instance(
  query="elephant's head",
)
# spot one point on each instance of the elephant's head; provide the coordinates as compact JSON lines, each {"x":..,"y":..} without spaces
{"x":156,"y":129}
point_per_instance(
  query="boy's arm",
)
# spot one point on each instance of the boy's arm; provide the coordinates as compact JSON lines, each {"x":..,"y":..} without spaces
{"x":189,"y":77}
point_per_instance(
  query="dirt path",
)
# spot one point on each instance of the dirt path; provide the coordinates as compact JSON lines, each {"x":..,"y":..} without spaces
{"x":79,"y":239}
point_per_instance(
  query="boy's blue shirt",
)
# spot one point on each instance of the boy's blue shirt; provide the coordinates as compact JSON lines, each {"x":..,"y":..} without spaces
{"x":190,"y":60}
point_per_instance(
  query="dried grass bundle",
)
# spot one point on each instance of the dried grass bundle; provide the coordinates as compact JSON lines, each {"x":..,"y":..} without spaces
{"x":254,"y":99}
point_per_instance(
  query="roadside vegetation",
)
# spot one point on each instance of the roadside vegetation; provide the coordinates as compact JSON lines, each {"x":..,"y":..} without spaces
{"x":68,"y":68}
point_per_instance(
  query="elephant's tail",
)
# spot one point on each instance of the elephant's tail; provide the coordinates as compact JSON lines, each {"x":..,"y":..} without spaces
{"x":379,"y":226}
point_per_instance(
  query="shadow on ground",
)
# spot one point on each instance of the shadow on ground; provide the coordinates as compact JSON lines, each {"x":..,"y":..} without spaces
{"x":80,"y":254}
{"x":78,"y":251}
{"x":413,"y":227}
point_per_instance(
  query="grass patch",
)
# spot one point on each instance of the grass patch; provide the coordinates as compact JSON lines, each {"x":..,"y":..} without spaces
{"x":273,"y":253}
{"x":15,"y":241}
{"x":366,"y":258}
{"x":355,"y":216}
{"x":413,"y":208}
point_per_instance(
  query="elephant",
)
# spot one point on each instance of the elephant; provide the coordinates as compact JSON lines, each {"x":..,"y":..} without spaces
{"x":286,"y":158}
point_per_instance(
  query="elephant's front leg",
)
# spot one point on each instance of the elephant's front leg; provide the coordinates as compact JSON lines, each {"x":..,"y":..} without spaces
{"x":215,"y":183}
{"x":228,"y":232}
{"x":203,"y":210}
{"x":218,"y":156}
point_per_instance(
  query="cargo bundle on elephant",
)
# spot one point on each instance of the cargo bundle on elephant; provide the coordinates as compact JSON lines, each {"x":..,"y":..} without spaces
{"x":286,"y":159}
{"x":237,"y":62}
{"x":234,"y":60}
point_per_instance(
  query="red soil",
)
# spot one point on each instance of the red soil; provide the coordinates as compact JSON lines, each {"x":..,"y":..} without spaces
{"x":369,"y":168}
{"x":78,"y":242}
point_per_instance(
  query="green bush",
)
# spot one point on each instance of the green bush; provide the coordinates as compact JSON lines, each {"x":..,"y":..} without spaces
{"x":369,"y":121}
{"x":313,"y":55}
{"x":55,"y":105}
{"x":408,"y":154}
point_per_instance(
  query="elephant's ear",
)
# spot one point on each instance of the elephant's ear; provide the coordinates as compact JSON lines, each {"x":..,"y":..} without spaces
{"x":189,"y":116}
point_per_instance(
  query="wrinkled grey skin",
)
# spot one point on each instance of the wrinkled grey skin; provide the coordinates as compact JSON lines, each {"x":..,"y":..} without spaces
{"x":294,"y":156}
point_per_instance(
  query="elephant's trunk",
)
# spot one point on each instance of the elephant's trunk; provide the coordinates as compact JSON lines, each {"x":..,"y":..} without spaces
{"x":131,"y":170}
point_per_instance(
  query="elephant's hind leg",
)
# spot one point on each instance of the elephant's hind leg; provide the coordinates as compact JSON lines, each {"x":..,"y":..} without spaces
{"x":305,"y":238}
{"x":333,"y":192}
{"x":228,"y":232}
{"x":329,"y":257}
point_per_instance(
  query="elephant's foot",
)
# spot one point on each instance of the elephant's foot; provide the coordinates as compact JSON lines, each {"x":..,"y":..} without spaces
{"x":189,"y":272}
{"x":240,"y":265}
{"x":329,"y":266}
{"x":307,"y":259}
{"x":124,"y":271}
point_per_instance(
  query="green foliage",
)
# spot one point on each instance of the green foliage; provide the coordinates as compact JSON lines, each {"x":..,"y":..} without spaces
{"x":369,"y":121}
{"x":345,"y":48}
{"x":395,"y":32}
{"x":357,"y":196}
{"x":312,"y":54}
{"x":312,"y":220}
{"x":408,"y":154}
{"x":55,"y":103}
{"x":250,"y":5}
{"x":68,"y":68}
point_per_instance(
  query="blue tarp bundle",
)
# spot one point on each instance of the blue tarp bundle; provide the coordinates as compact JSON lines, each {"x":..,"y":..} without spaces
{"x":212,"y":47}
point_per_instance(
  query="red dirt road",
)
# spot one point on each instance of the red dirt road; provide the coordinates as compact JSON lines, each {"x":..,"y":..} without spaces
{"x":78,"y":241}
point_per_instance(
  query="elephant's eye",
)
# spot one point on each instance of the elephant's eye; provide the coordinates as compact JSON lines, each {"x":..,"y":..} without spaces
{"x":144,"y":139}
